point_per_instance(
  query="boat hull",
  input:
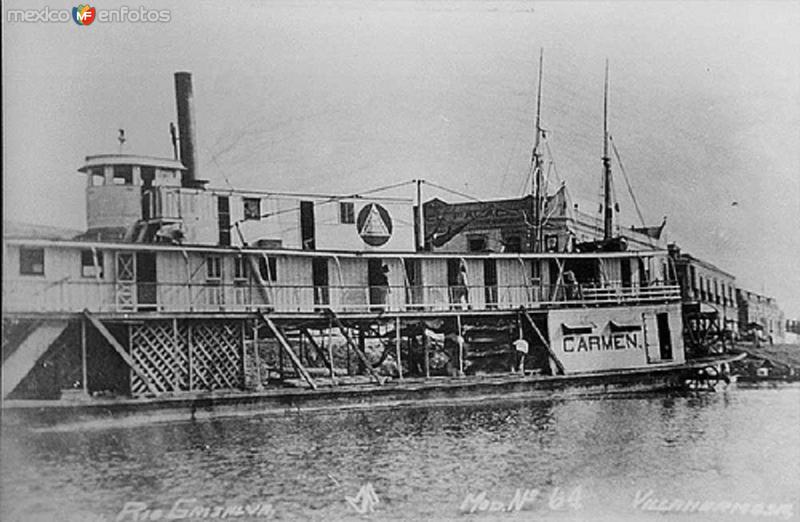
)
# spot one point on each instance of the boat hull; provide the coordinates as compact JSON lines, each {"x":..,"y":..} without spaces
{"x":393,"y":394}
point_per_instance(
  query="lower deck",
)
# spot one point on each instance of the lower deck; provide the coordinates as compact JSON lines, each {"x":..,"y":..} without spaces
{"x":153,"y":354}
{"x":395,"y":393}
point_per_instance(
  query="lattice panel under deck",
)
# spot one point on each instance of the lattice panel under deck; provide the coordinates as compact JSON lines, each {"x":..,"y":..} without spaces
{"x":212,"y":361}
{"x":160,"y":352}
{"x":216,"y":355}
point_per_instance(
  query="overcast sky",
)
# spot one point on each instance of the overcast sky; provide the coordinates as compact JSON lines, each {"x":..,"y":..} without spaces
{"x":340,"y":97}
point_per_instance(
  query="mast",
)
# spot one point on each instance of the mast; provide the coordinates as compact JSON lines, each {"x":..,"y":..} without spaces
{"x":536,"y":163}
{"x":608,"y":210}
{"x":420,"y":218}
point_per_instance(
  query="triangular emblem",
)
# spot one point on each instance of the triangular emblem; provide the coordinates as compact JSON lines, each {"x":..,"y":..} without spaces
{"x":374,"y":225}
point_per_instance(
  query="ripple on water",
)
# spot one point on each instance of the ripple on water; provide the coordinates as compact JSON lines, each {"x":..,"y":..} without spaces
{"x":422,"y":462}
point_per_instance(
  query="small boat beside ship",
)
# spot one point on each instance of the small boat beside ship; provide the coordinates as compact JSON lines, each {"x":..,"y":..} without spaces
{"x":182,"y":300}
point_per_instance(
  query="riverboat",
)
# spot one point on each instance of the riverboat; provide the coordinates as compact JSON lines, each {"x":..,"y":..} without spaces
{"x":184,"y":298}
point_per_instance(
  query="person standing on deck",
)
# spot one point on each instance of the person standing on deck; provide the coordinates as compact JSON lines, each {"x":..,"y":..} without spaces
{"x":521,"y":350}
{"x":383,"y":287}
{"x":463,"y":286}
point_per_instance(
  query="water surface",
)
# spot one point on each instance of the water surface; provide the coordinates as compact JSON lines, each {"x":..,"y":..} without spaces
{"x":574,"y":459}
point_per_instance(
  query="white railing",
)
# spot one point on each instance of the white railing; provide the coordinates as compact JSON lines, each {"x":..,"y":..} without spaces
{"x":69,"y":295}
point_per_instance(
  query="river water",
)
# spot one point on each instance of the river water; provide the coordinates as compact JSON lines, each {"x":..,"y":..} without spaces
{"x":737,"y":451}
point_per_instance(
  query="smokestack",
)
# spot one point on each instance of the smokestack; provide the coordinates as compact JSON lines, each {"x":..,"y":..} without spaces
{"x":184,"y":98}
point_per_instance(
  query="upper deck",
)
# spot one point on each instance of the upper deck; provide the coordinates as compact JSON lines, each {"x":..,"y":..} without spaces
{"x":46,"y":276}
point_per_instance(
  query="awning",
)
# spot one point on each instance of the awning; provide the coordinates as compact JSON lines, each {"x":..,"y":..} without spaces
{"x":617,"y":327}
{"x":576,"y":330}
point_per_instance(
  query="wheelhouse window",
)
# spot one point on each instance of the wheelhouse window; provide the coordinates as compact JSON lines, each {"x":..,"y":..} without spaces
{"x":239,"y":269}
{"x":97,"y":177}
{"x":123,"y":175}
{"x":31,"y":261}
{"x":268,"y":268}
{"x":91,"y":263}
{"x":252,"y":208}
{"x":214,"y":268}
{"x":347,"y":212}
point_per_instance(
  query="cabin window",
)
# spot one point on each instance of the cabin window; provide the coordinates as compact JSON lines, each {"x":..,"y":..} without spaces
{"x":31,"y":261}
{"x":476,"y":243}
{"x":213,"y":268}
{"x":551,"y":243}
{"x":347,"y":212}
{"x":91,"y":264}
{"x":268,"y":268}
{"x":694,"y":277}
{"x":252,"y":208}
{"x":123,"y":175}
{"x":239,"y":268}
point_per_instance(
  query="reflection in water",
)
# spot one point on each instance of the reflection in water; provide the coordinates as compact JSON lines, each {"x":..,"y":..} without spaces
{"x":740,"y":445}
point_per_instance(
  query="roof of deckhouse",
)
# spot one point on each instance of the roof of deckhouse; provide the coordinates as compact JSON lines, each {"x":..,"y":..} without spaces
{"x":101,"y":160}
{"x":111,"y":245}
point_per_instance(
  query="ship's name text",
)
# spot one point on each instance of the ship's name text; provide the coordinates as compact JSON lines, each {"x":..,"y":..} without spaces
{"x":600,"y":343}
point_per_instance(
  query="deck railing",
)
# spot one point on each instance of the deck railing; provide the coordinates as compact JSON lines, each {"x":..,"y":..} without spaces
{"x":69,"y":295}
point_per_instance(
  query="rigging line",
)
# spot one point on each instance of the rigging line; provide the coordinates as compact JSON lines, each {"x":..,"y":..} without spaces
{"x":457,"y":193}
{"x":627,"y":181}
{"x":552,"y":159}
{"x":332,"y":199}
{"x":224,"y":174}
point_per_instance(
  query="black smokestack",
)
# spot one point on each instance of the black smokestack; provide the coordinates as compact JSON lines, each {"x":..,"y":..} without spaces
{"x":184,"y":98}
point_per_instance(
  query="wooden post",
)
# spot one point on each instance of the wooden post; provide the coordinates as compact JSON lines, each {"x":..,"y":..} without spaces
{"x":280,"y":363}
{"x":330,"y":351}
{"x":190,"y":350}
{"x":349,"y":371}
{"x":397,"y":348}
{"x":177,"y":384}
{"x":362,"y":345}
{"x":84,"y":369}
{"x":243,"y":349}
{"x":425,"y":349}
{"x":257,"y":357}
{"x":460,"y":342}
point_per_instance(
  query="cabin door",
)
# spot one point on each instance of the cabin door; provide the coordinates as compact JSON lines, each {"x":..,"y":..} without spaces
{"x":664,"y":336}
{"x":651,"y":346}
{"x":490,"y":282}
{"x":224,"y":220}
{"x":625,"y":272}
{"x":414,"y":290}
{"x":126,"y":281}
{"x":378,"y":283}
{"x":307,"y":232}
{"x":147,"y":290}
{"x":319,"y":274}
